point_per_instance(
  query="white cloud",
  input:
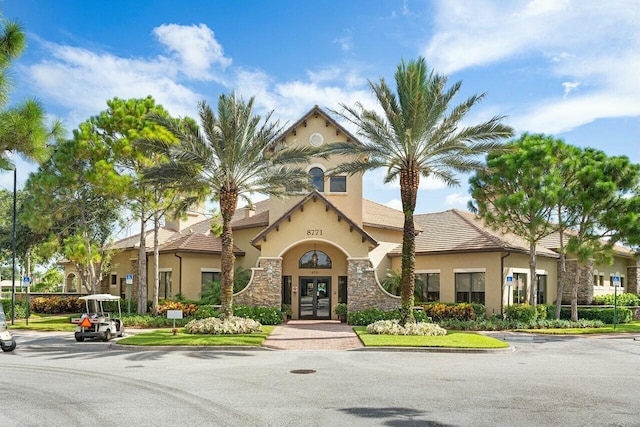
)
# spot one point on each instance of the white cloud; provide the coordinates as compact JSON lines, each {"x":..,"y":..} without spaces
{"x":345,"y":42}
{"x":570,"y":87}
{"x":457,"y":199}
{"x":195,"y":48}
{"x":593,"y":45}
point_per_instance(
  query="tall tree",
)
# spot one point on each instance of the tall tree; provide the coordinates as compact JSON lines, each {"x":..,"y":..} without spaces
{"x":604,"y":207}
{"x":518,"y":193}
{"x":107,"y":140}
{"x":420,"y":135}
{"x":63,"y":201}
{"x":234,"y":154}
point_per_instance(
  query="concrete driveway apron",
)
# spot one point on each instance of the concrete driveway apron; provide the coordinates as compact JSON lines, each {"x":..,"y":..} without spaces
{"x":313,"y":335}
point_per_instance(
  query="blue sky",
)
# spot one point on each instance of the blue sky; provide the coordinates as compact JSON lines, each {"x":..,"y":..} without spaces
{"x":561,"y":67}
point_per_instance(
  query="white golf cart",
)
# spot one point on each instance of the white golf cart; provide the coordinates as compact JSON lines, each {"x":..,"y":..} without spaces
{"x":7,"y":343}
{"x":97,"y":323}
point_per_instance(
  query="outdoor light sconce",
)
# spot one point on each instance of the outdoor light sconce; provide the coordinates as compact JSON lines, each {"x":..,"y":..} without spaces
{"x":269,"y":274}
{"x":358,"y":273}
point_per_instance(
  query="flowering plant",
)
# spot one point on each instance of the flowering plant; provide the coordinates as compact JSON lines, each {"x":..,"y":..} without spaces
{"x":216,"y":326}
{"x":392,"y":327}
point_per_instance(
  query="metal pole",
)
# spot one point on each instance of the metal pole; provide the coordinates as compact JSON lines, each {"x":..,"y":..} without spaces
{"x":13,"y":248}
{"x":615,"y":304}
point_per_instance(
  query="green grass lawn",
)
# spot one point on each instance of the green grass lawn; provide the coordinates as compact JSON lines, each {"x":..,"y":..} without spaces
{"x":632,"y":327}
{"x":452,"y":339}
{"x":40,"y":322}
{"x":166,"y":337}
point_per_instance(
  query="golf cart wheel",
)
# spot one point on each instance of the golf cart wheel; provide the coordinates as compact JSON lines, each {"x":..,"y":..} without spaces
{"x":8,"y":347}
{"x":79,"y":338}
{"x":107,"y":335}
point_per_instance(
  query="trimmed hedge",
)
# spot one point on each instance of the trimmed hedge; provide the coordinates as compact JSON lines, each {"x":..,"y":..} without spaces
{"x":56,"y":305}
{"x":442,"y":311}
{"x":21,"y":310}
{"x":603,"y":314}
{"x":264,"y":315}
{"x":521,"y":313}
{"x":626,"y":300}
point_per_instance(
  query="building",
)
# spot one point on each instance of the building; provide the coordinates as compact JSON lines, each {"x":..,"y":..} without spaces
{"x":315,"y":250}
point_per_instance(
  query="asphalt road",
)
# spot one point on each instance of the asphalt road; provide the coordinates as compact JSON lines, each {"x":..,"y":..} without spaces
{"x":50,"y":380}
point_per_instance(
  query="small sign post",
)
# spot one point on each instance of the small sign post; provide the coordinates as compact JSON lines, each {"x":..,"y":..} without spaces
{"x":509,"y":285}
{"x":26,"y":282}
{"x":616,"y":283}
{"x":129,"y":282}
{"x":174,"y":314}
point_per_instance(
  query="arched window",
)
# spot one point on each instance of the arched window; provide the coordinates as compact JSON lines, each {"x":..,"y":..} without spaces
{"x":315,"y":259}
{"x":317,"y":178}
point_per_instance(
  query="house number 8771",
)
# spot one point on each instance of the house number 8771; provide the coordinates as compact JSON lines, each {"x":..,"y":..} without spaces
{"x":314,"y":232}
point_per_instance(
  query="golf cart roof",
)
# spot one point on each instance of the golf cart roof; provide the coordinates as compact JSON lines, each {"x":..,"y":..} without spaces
{"x":100,"y":297}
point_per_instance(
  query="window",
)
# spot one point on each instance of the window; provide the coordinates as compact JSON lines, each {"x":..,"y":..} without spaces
{"x":286,"y":290}
{"x":470,"y":287}
{"x":519,"y":288}
{"x":542,"y":289}
{"x":315,"y":259}
{"x":622,"y":282}
{"x":317,"y":178}
{"x":342,"y":289}
{"x":165,"y":285}
{"x":338,"y":184}
{"x":114,"y":279}
{"x":598,"y":279}
{"x":428,"y":286}
{"x":207,"y":280}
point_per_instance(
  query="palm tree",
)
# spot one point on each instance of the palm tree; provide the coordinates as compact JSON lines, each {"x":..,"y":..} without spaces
{"x":22,"y":127}
{"x":419,"y":135}
{"x":232,"y":156}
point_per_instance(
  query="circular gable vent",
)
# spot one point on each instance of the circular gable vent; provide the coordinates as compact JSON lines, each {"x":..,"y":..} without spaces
{"x":316,"y":139}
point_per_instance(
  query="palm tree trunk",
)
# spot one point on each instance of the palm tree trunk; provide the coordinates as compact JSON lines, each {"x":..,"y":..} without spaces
{"x":409,"y":181}
{"x":228,"y":202}
{"x":563,"y":267}
{"x":156,"y":265}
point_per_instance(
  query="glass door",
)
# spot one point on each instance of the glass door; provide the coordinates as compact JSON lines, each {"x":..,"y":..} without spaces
{"x":315,"y":297}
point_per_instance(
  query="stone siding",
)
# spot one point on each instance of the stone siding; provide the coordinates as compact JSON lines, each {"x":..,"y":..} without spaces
{"x":585,"y":288}
{"x":633,"y":280}
{"x":265,"y":287}
{"x":363,"y":289}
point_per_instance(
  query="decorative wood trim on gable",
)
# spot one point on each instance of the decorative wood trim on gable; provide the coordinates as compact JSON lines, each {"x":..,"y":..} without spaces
{"x":318,"y":112}
{"x":300,"y":205}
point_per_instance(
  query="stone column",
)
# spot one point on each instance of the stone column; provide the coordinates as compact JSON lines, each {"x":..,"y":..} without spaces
{"x":265,"y":287}
{"x":585,"y":287}
{"x":633,"y":280}
{"x":363,"y":290}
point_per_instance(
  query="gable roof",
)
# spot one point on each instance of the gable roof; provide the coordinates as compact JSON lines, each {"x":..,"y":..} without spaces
{"x":455,"y":231}
{"x":317,"y":111}
{"x":198,"y":243}
{"x":314,"y":195}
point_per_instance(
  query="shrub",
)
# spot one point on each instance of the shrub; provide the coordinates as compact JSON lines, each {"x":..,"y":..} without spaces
{"x":216,"y":326}
{"x":149,"y":321}
{"x":479,"y":309}
{"x":21,"y":310}
{"x":187,"y":309}
{"x":521,"y":313}
{"x":440,"y":311}
{"x":340,"y":309}
{"x":264,"y":315}
{"x":371,"y":315}
{"x":205,"y":311}
{"x":626,"y":300}
{"x":496,"y":323}
{"x":603,"y":314}
{"x":56,"y":305}
{"x":392,"y":327}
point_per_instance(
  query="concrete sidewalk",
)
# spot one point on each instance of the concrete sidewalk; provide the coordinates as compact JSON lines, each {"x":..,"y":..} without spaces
{"x":313,"y":335}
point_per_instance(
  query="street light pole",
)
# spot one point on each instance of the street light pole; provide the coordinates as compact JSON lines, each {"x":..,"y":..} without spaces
{"x":13,"y":249}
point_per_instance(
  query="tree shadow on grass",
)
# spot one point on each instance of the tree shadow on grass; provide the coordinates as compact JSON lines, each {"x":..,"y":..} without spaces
{"x":397,"y":417}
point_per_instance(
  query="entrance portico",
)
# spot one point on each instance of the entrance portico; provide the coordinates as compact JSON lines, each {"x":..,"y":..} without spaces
{"x":319,"y":257}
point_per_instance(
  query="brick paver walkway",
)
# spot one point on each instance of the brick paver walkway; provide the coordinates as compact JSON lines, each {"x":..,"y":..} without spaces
{"x":313,"y":335}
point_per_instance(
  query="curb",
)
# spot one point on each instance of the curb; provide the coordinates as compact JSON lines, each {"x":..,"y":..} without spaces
{"x":117,"y":346}
{"x":509,"y":349}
